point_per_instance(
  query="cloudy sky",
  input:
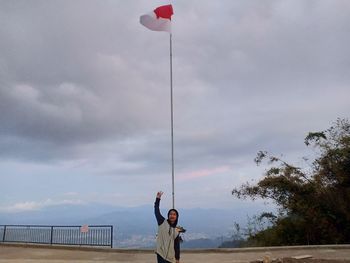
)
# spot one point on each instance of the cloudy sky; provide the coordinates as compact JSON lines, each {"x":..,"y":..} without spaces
{"x":84,"y":96}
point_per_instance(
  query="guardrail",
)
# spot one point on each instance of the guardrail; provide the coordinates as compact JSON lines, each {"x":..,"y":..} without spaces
{"x":95,"y":235}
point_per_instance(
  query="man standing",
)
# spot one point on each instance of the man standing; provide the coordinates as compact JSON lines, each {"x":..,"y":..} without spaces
{"x":168,"y":239}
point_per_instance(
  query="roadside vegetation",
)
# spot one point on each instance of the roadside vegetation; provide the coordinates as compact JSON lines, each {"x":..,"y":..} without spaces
{"x":313,"y":201}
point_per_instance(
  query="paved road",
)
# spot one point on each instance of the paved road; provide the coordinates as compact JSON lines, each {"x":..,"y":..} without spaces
{"x":41,"y":254}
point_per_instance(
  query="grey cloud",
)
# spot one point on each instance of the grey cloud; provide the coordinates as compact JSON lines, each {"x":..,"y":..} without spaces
{"x":84,"y":94}
{"x":67,"y":75}
{"x":247,"y":76}
{"x":271,"y":46}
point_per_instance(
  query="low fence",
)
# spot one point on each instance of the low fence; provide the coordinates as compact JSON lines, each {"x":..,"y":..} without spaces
{"x":60,"y":235}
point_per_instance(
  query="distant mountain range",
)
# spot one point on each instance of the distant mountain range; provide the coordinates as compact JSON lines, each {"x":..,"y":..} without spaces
{"x":136,"y":227}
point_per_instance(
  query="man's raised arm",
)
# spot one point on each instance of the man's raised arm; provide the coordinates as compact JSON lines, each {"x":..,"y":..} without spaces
{"x":159,"y":217}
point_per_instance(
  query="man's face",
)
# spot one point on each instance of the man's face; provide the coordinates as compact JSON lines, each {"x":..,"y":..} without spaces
{"x":172,"y":217}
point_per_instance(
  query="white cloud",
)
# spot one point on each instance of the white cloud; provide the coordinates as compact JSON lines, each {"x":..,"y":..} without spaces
{"x":34,"y":205}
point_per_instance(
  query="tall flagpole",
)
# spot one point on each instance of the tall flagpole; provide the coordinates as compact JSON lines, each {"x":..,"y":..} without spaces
{"x":172,"y":121}
{"x":153,"y":22}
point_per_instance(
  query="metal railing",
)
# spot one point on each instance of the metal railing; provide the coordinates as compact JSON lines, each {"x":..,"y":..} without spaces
{"x":59,"y":235}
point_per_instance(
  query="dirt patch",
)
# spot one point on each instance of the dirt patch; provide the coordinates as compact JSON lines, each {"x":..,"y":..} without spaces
{"x":309,"y":260}
{"x":312,"y":260}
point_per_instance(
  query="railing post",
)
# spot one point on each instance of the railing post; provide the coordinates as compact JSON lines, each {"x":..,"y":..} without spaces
{"x":51,"y":235}
{"x":112,"y":236}
{"x":3,"y":236}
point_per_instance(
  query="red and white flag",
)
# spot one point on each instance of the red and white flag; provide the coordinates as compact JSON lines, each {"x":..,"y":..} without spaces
{"x":159,"y":19}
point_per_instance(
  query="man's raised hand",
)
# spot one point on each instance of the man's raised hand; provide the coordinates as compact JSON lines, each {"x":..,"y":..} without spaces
{"x":159,"y":194}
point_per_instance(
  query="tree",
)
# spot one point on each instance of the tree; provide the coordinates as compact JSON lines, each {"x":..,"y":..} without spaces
{"x":313,"y":205}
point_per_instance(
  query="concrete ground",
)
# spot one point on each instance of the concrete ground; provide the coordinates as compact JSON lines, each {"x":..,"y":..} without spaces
{"x":13,"y":253}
